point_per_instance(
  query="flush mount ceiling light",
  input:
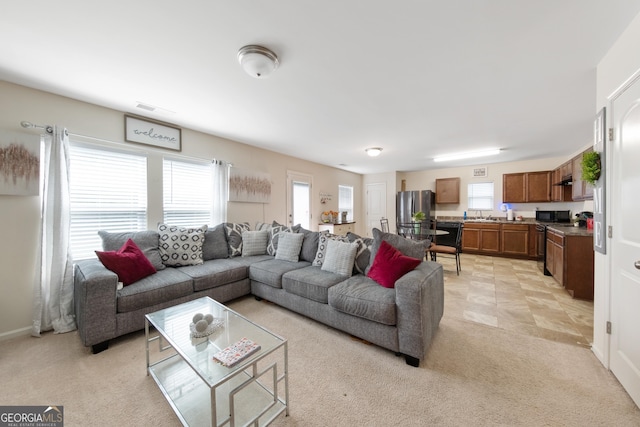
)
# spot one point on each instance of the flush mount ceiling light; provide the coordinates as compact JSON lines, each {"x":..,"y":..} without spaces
{"x":257,"y":61}
{"x":373,"y":151}
{"x":467,"y":155}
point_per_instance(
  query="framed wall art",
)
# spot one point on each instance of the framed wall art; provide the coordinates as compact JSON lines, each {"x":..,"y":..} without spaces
{"x":19,"y":164}
{"x":249,"y":186}
{"x":150,"y":132}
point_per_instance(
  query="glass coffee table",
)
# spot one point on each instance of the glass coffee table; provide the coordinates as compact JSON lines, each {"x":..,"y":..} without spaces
{"x":201,"y":390}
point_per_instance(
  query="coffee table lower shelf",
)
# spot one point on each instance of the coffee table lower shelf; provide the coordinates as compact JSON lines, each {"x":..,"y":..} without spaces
{"x":242,"y":400}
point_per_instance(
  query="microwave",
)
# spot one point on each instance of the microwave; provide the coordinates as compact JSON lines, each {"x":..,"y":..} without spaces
{"x":553,"y":216}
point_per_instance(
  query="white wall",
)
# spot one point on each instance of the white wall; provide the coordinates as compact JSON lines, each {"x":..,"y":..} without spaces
{"x":20,"y":215}
{"x":619,"y":64}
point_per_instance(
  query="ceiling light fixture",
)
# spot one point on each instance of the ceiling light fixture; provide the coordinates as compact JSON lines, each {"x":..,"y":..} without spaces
{"x":257,"y":61}
{"x":467,"y":155}
{"x":373,"y":151}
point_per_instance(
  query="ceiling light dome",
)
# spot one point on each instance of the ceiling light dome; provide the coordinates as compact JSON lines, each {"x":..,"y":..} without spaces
{"x":373,"y":151}
{"x":257,"y":61}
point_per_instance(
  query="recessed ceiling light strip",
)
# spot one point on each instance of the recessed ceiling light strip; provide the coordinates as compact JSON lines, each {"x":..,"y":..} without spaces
{"x":467,"y":155}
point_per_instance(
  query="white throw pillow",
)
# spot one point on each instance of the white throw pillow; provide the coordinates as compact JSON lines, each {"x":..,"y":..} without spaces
{"x":339,"y":257}
{"x":289,"y":245}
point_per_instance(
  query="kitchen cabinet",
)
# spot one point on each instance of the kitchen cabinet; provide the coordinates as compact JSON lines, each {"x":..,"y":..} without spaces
{"x":570,"y":261}
{"x":581,"y":190}
{"x":526,"y":187}
{"x":481,"y":237}
{"x":515,"y":239}
{"x":533,"y":242}
{"x":341,"y":229}
{"x":555,"y":254}
{"x":561,"y":193}
{"x":448,"y":191}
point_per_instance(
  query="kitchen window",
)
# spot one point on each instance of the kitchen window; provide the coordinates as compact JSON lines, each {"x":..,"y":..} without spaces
{"x":480,"y":196}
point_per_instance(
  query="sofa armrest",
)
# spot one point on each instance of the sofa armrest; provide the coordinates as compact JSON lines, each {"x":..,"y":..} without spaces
{"x":420,"y":306}
{"x":95,"y":301}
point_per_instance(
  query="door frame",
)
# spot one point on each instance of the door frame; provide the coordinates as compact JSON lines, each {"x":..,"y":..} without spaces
{"x":300,"y":177}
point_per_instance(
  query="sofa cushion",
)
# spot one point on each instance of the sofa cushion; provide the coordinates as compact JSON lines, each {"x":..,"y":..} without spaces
{"x":164,"y":286}
{"x":148,"y":241}
{"x":289,"y":245}
{"x":309,"y":244}
{"x":180,"y":245}
{"x":270,"y":271}
{"x":215,"y":273}
{"x":390,"y":265}
{"x":408,"y":247}
{"x":323,"y":238}
{"x":339,"y":257}
{"x":311,"y":282}
{"x":233,"y":232}
{"x":364,"y":252}
{"x":128,"y":262}
{"x":254,"y":242}
{"x":362,"y":297}
{"x":215,"y":244}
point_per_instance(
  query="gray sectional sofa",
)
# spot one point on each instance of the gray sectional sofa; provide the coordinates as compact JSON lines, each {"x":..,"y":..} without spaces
{"x":402,"y":319}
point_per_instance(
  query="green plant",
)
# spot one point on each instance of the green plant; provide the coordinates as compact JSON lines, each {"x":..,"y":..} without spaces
{"x":418,"y":216}
{"x":591,"y":167}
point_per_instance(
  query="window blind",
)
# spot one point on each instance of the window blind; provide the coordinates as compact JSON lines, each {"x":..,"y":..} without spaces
{"x":108,"y":191}
{"x":187,"y":193}
{"x":345,"y":200}
{"x":480,"y":196}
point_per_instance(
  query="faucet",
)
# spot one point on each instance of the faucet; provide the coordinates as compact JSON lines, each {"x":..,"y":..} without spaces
{"x":480,"y":216}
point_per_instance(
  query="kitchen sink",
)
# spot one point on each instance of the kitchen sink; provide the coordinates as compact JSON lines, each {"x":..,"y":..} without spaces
{"x":482,"y":220}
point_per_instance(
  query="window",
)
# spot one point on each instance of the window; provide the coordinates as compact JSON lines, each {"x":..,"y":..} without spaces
{"x":345,"y":200}
{"x":108,"y":191}
{"x":480,"y":196}
{"x":187,"y":193}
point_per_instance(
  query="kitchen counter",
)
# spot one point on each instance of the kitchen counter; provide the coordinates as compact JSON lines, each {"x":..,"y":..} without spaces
{"x":570,"y":230}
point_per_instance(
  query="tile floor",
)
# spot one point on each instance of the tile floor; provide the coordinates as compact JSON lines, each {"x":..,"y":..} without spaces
{"x":515,"y":295}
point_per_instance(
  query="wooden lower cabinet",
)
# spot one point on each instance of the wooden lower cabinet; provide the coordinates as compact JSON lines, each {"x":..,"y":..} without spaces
{"x":570,"y":262}
{"x":481,"y":238}
{"x":515,"y":239}
{"x":500,"y":238}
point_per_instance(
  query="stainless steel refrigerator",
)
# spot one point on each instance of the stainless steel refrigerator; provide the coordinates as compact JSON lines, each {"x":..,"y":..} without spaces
{"x":410,"y":202}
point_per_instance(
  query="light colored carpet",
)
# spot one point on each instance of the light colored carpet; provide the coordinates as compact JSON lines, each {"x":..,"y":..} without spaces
{"x":473,"y":375}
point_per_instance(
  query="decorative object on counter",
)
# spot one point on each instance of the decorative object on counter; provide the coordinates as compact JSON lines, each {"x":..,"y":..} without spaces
{"x":591,"y":167}
{"x":204,"y":325}
{"x":330,"y":217}
{"x":236,"y":352}
{"x":344,"y":216}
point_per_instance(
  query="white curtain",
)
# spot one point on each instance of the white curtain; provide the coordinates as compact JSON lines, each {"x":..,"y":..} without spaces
{"x":220,"y":191}
{"x":53,"y":290}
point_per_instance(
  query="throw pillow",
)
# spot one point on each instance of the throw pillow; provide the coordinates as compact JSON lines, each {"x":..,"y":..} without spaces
{"x":289,"y":245}
{"x":274,"y":235}
{"x":215,"y":244}
{"x":389,"y":265}
{"x":323,"y":239}
{"x":254,"y":242}
{"x":128,"y":262}
{"x":147,"y":241}
{"x":233,"y":232}
{"x":309,"y":244}
{"x":410,"y":248}
{"x":340,"y":257}
{"x":180,"y":246}
{"x":364,"y":252}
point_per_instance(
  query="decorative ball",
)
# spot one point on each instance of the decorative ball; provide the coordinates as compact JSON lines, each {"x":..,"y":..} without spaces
{"x":201,"y":325}
{"x":197,"y":317}
{"x":208,"y":318}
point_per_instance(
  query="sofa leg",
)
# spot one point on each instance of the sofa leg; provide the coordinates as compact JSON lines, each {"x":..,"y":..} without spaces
{"x":412,"y":361}
{"x":257,"y":298}
{"x":97,"y":348}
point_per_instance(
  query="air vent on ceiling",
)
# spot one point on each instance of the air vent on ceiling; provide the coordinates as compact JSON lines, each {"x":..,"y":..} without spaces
{"x":153,"y":108}
{"x":146,"y":107}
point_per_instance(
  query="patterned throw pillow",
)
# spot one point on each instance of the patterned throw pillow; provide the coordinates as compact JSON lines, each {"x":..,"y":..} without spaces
{"x":364,"y":252}
{"x":274,"y":234}
{"x":289,"y":245}
{"x":323,"y":239}
{"x":233,"y":232}
{"x":339,"y":257}
{"x":254,"y":242}
{"x":181,"y":246}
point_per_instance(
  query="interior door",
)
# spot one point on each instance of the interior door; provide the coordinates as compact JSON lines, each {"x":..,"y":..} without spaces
{"x":377,"y":206}
{"x":625,"y":243}
{"x":299,"y":199}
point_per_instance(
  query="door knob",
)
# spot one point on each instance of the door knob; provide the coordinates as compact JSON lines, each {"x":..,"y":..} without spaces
{"x":637,"y":264}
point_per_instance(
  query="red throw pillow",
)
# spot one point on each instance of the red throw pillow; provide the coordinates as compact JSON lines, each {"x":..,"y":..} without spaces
{"x":389,"y":265}
{"x":128,"y":262}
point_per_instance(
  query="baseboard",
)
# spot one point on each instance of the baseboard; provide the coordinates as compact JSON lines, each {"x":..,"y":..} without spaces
{"x":15,"y":333}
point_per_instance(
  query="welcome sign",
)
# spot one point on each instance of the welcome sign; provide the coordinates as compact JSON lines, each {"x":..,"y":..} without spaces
{"x":599,"y":223}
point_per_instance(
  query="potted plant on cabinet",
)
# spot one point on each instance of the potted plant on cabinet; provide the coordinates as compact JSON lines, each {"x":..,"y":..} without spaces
{"x":591,"y":167}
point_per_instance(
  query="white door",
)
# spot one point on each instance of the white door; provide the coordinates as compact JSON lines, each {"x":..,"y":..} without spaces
{"x":625,"y":243}
{"x":376,"y":205}
{"x":299,"y":199}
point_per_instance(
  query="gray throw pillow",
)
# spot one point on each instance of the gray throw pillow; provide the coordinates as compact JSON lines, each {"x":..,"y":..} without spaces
{"x":364,"y":252}
{"x":309,"y":244}
{"x":410,"y":248}
{"x":215,"y":244}
{"x":323,"y":239}
{"x":289,"y":245}
{"x":254,"y":242}
{"x":148,"y":241}
{"x":233,"y":232}
{"x":340,"y":257}
{"x":180,"y":246}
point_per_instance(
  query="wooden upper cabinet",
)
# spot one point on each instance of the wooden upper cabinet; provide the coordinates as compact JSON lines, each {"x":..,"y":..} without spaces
{"x":526,"y":187}
{"x":448,"y":191}
{"x":581,"y":190}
